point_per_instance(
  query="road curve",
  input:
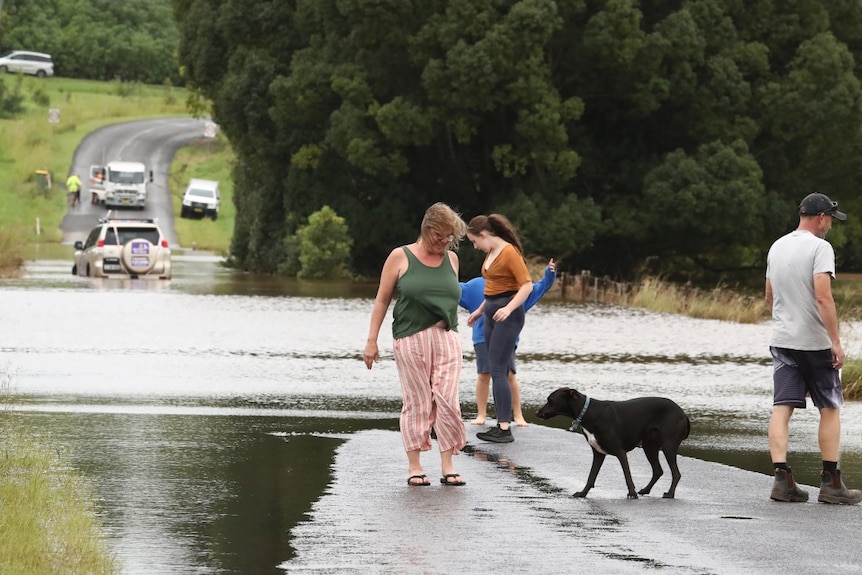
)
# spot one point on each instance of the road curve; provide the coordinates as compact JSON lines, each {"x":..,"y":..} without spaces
{"x":153,"y":142}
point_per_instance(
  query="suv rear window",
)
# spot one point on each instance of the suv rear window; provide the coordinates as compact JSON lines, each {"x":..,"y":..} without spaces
{"x":128,"y":234}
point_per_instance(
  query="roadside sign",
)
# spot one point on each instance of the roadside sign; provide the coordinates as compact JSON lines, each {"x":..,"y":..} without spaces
{"x":54,"y":115}
{"x":43,"y":179}
{"x":210,"y":129}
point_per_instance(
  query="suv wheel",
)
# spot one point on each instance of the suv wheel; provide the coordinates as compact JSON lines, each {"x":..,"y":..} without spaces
{"x":40,"y":73}
{"x":138,"y":256}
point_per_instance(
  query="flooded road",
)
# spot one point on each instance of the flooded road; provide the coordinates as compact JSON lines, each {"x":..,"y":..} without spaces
{"x":208,"y":410}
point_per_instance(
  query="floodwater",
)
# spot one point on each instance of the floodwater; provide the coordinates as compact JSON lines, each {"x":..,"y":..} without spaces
{"x":207,"y":410}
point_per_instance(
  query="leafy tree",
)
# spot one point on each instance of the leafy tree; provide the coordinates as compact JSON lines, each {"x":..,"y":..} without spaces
{"x":323,"y":246}
{"x":612,"y":133}
{"x":133,"y":40}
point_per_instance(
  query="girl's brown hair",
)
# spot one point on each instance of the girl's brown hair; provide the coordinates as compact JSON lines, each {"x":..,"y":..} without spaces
{"x":497,"y":224}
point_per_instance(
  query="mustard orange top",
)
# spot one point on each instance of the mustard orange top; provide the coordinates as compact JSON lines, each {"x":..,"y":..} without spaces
{"x":508,"y":272}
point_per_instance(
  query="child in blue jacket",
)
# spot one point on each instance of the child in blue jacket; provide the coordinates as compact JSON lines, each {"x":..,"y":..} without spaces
{"x":472,"y":296}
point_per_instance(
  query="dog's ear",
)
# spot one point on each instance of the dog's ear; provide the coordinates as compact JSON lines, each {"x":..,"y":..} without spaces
{"x":574,"y":394}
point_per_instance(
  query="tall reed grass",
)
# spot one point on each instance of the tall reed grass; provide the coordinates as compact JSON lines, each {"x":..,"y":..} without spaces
{"x":655,"y":294}
{"x":48,"y":525}
{"x":11,"y":253}
{"x":851,"y":379}
{"x":724,"y":304}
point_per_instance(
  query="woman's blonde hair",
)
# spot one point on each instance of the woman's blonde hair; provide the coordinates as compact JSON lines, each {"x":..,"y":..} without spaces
{"x":440,"y":217}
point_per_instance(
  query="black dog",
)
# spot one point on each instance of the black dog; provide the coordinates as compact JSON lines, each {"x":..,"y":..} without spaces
{"x":617,"y":427}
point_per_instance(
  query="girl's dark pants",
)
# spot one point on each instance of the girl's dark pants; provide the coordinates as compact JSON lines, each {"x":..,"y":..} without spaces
{"x":500,"y":338}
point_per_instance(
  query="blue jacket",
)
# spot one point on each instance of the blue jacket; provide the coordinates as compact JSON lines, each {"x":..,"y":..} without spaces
{"x":472,"y":296}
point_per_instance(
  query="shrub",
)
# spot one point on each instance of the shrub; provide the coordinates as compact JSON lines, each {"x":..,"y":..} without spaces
{"x":323,"y":246}
{"x":41,"y":98}
{"x":11,"y":102}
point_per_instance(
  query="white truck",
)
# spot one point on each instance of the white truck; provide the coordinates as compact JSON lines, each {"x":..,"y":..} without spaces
{"x":120,"y":184}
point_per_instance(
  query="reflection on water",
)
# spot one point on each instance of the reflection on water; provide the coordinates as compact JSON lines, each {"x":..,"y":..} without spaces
{"x":206,"y":408}
{"x":197,"y":494}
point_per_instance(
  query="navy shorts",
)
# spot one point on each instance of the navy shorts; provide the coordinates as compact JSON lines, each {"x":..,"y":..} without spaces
{"x":482,"y":364}
{"x":797,"y":373}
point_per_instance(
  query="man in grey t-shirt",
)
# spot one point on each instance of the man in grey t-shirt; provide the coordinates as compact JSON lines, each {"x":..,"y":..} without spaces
{"x":806,"y":348}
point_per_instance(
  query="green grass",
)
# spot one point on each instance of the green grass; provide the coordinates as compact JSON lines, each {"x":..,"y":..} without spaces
{"x":31,"y":143}
{"x":209,"y":160}
{"x":48,"y":524}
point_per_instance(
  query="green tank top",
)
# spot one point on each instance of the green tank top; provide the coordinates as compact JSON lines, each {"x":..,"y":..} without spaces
{"x":425,"y":296}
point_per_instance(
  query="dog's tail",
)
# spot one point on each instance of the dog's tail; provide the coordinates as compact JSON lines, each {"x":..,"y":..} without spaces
{"x":687,"y":427}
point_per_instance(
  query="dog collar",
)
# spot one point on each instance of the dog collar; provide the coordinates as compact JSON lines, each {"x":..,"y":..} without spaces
{"x":576,"y":424}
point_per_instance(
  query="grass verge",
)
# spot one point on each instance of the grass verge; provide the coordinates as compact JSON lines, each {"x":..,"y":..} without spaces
{"x":209,"y":159}
{"x":48,"y":524}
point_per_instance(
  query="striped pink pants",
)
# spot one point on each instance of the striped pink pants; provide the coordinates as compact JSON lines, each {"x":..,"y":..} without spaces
{"x":429,"y":367}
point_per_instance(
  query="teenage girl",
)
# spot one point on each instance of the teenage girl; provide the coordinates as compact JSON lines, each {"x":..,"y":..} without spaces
{"x":507,"y":287}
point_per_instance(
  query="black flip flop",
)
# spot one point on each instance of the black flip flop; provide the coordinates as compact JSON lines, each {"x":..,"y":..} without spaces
{"x":423,"y":484}
{"x":445,"y":479}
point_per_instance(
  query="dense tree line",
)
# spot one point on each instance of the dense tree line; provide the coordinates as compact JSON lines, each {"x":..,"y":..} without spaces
{"x":129,"y":40}
{"x":618,"y":135}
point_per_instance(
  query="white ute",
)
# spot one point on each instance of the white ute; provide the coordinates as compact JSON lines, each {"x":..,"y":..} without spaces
{"x":201,"y":198}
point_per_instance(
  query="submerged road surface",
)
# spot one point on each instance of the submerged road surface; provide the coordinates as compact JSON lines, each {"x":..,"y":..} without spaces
{"x":516,"y":515}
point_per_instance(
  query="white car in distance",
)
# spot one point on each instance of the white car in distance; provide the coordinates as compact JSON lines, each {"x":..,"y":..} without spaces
{"x":35,"y":63}
{"x":201,"y":199}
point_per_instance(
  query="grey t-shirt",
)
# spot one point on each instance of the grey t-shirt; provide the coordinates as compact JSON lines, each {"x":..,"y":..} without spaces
{"x":792,"y":262}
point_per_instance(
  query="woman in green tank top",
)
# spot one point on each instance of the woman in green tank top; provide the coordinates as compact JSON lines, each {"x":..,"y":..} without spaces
{"x":427,"y":348}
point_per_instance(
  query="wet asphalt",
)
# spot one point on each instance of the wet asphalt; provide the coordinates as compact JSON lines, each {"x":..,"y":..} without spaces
{"x":517,"y":515}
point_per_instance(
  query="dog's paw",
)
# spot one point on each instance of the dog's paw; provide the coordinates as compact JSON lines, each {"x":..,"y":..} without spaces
{"x":668,"y":495}
{"x":632,"y":495}
{"x":579,"y":494}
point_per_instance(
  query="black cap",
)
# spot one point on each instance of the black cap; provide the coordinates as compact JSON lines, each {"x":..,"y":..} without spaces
{"x":816,"y":204}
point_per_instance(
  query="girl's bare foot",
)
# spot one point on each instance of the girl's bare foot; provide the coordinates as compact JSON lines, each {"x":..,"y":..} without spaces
{"x":521,"y":422}
{"x":478,"y":421}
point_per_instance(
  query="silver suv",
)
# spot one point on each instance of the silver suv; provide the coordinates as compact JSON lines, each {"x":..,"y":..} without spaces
{"x":124,"y":248}
{"x":35,"y":63}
